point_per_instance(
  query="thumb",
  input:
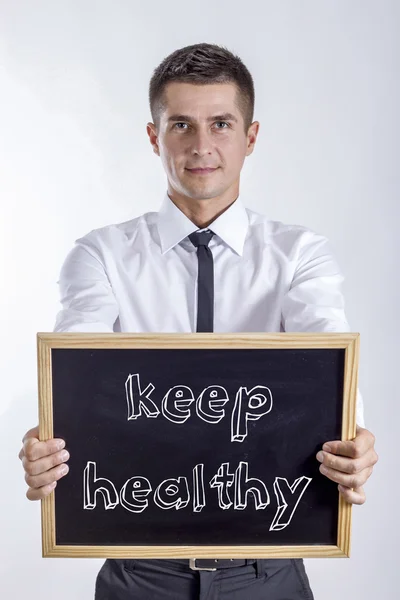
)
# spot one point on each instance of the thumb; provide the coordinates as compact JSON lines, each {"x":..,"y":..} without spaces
{"x":32,"y":433}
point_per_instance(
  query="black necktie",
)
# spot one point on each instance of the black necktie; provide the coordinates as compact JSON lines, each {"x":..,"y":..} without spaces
{"x":205,"y":280}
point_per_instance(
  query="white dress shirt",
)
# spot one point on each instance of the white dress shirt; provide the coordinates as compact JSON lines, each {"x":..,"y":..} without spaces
{"x":141,"y":276}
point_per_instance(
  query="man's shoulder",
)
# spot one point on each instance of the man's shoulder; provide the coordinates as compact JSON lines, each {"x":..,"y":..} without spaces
{"x":122,"y":231}
{"x":277,"y":230}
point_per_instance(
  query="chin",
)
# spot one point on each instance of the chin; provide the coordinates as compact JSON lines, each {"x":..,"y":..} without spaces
{"x":203,"y":194}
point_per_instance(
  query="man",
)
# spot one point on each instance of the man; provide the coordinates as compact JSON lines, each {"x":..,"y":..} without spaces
{"x":203,"y":263}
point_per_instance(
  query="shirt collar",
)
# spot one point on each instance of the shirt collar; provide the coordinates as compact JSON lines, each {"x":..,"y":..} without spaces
{"x":174,"y":226}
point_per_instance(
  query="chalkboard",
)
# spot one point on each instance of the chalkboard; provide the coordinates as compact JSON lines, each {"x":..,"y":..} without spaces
{"x":196,"y":445}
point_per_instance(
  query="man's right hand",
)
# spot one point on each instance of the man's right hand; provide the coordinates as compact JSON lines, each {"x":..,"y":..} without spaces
{"x":43,"y":462}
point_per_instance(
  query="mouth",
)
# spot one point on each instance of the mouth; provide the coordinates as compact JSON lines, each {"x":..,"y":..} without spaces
{"x":202,"y":171}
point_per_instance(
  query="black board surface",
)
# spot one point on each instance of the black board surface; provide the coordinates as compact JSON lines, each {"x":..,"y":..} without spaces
{"x":95,"y":391}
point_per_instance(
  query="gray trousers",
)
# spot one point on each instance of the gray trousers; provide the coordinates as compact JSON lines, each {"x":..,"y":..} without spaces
{"x":163,"y":579}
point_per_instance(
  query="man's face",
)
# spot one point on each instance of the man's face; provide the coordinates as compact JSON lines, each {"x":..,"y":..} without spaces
{"x":202,"y":128}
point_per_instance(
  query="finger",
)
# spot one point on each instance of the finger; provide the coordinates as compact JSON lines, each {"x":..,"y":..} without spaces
{"x":43,"y":465}
{"x":34,"y":433}
{"x":38,"y":494}
{"x":347,"y":465}
{"x":355,"y":448}
{"x":33,"y":449}
{"x":350,"y":481}
{"x":341,"y":448}
{"x":356,"y":496}
{"x":38,"y":481}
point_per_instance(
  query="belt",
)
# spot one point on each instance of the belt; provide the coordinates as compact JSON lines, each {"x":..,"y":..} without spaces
{"x":212,"y":564}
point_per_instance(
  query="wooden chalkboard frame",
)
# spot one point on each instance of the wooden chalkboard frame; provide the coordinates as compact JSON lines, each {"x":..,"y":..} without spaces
{"x":47,"y":341}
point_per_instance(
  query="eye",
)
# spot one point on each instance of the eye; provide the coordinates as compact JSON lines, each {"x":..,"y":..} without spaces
{"x":182,"y":123}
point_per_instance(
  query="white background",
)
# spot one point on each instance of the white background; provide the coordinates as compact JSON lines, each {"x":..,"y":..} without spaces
{"x":74,"y":155}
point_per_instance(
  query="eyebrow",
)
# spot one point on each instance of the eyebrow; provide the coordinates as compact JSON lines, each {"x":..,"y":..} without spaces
{"x":224,"y":117}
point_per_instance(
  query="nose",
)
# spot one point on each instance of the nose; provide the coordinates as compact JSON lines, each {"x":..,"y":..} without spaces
{"x":201,"y":143}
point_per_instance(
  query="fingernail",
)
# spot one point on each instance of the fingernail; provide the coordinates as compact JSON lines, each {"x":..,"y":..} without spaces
{"x":320,"y":456}
{"x":53,"y":485}
{"x":326,"y":447}
{"x":64,"y":469}
{"x":60,"y":444}
{"x":64,"y":455}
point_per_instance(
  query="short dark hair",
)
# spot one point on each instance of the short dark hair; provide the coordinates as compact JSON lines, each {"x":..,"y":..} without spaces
{"x":202,"y":64}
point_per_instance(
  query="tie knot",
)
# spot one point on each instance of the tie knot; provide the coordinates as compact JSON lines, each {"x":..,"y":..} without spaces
{"x":201,"y":238}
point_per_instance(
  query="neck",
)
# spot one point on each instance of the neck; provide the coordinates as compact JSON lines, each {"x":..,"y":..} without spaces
{"x":202,"y":212}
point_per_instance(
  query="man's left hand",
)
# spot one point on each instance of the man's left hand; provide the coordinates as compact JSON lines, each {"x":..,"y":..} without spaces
{"x":350,"y":464}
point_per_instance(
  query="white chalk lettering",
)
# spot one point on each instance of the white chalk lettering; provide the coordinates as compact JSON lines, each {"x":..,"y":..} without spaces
{"x":249,"y":406}
{"x":177,"y":397}
{"x":175,"y":405}
{"x":286,"y":509}
{"x":138,"y":399}
{"x":210,"y":399}
{"x":137,"y":488}
{"x":222,"y":480}
{"x":172,"y":493}
{"x":93,"y":485}
{"x":245,"y":485}
{"x":199,"y":497}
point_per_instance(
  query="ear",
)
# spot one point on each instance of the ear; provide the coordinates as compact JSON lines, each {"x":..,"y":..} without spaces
{"x":153,"y":136}
{"x":252,"y":137}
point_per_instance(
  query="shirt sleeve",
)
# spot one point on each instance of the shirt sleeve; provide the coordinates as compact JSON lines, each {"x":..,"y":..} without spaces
{"x":87,"y":299}
{"x":314,"y":301}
